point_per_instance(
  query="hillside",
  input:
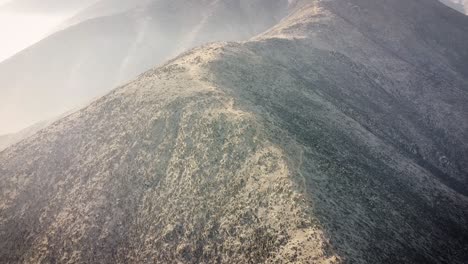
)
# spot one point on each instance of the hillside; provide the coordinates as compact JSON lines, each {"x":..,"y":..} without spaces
{"x":337,"y":136}
{"x":11,"y":139}
{"x":8,"y":140}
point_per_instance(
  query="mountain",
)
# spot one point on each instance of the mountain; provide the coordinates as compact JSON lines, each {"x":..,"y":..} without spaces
{"x":62,"y":70}
{"x":104,"y":8}
{"x":337,"y":136}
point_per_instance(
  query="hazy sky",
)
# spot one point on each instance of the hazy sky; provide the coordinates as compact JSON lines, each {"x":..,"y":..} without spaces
{"x":25,"y":22}
{"x":20,"y":30}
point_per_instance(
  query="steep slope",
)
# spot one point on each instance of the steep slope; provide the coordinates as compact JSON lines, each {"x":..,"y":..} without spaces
{"x":193,"y":149}
{"x":65,"y":65}
{"x":334,"y":137}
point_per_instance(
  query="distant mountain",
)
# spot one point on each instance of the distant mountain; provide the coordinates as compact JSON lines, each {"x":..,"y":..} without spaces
{"x":86,"y":60}
{"x":11,"y":139}
{"x":104,"y":8}
{"x":8,"y":140}
{"x":337,"y":136}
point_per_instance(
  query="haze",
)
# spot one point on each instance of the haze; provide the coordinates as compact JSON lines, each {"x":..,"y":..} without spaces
{"x":111,"y":43}
{"x":23,"y":30}
{"x":25,"y":22}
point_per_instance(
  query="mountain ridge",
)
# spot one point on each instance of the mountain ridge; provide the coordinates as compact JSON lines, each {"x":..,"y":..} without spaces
{"x":310,"y":143}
